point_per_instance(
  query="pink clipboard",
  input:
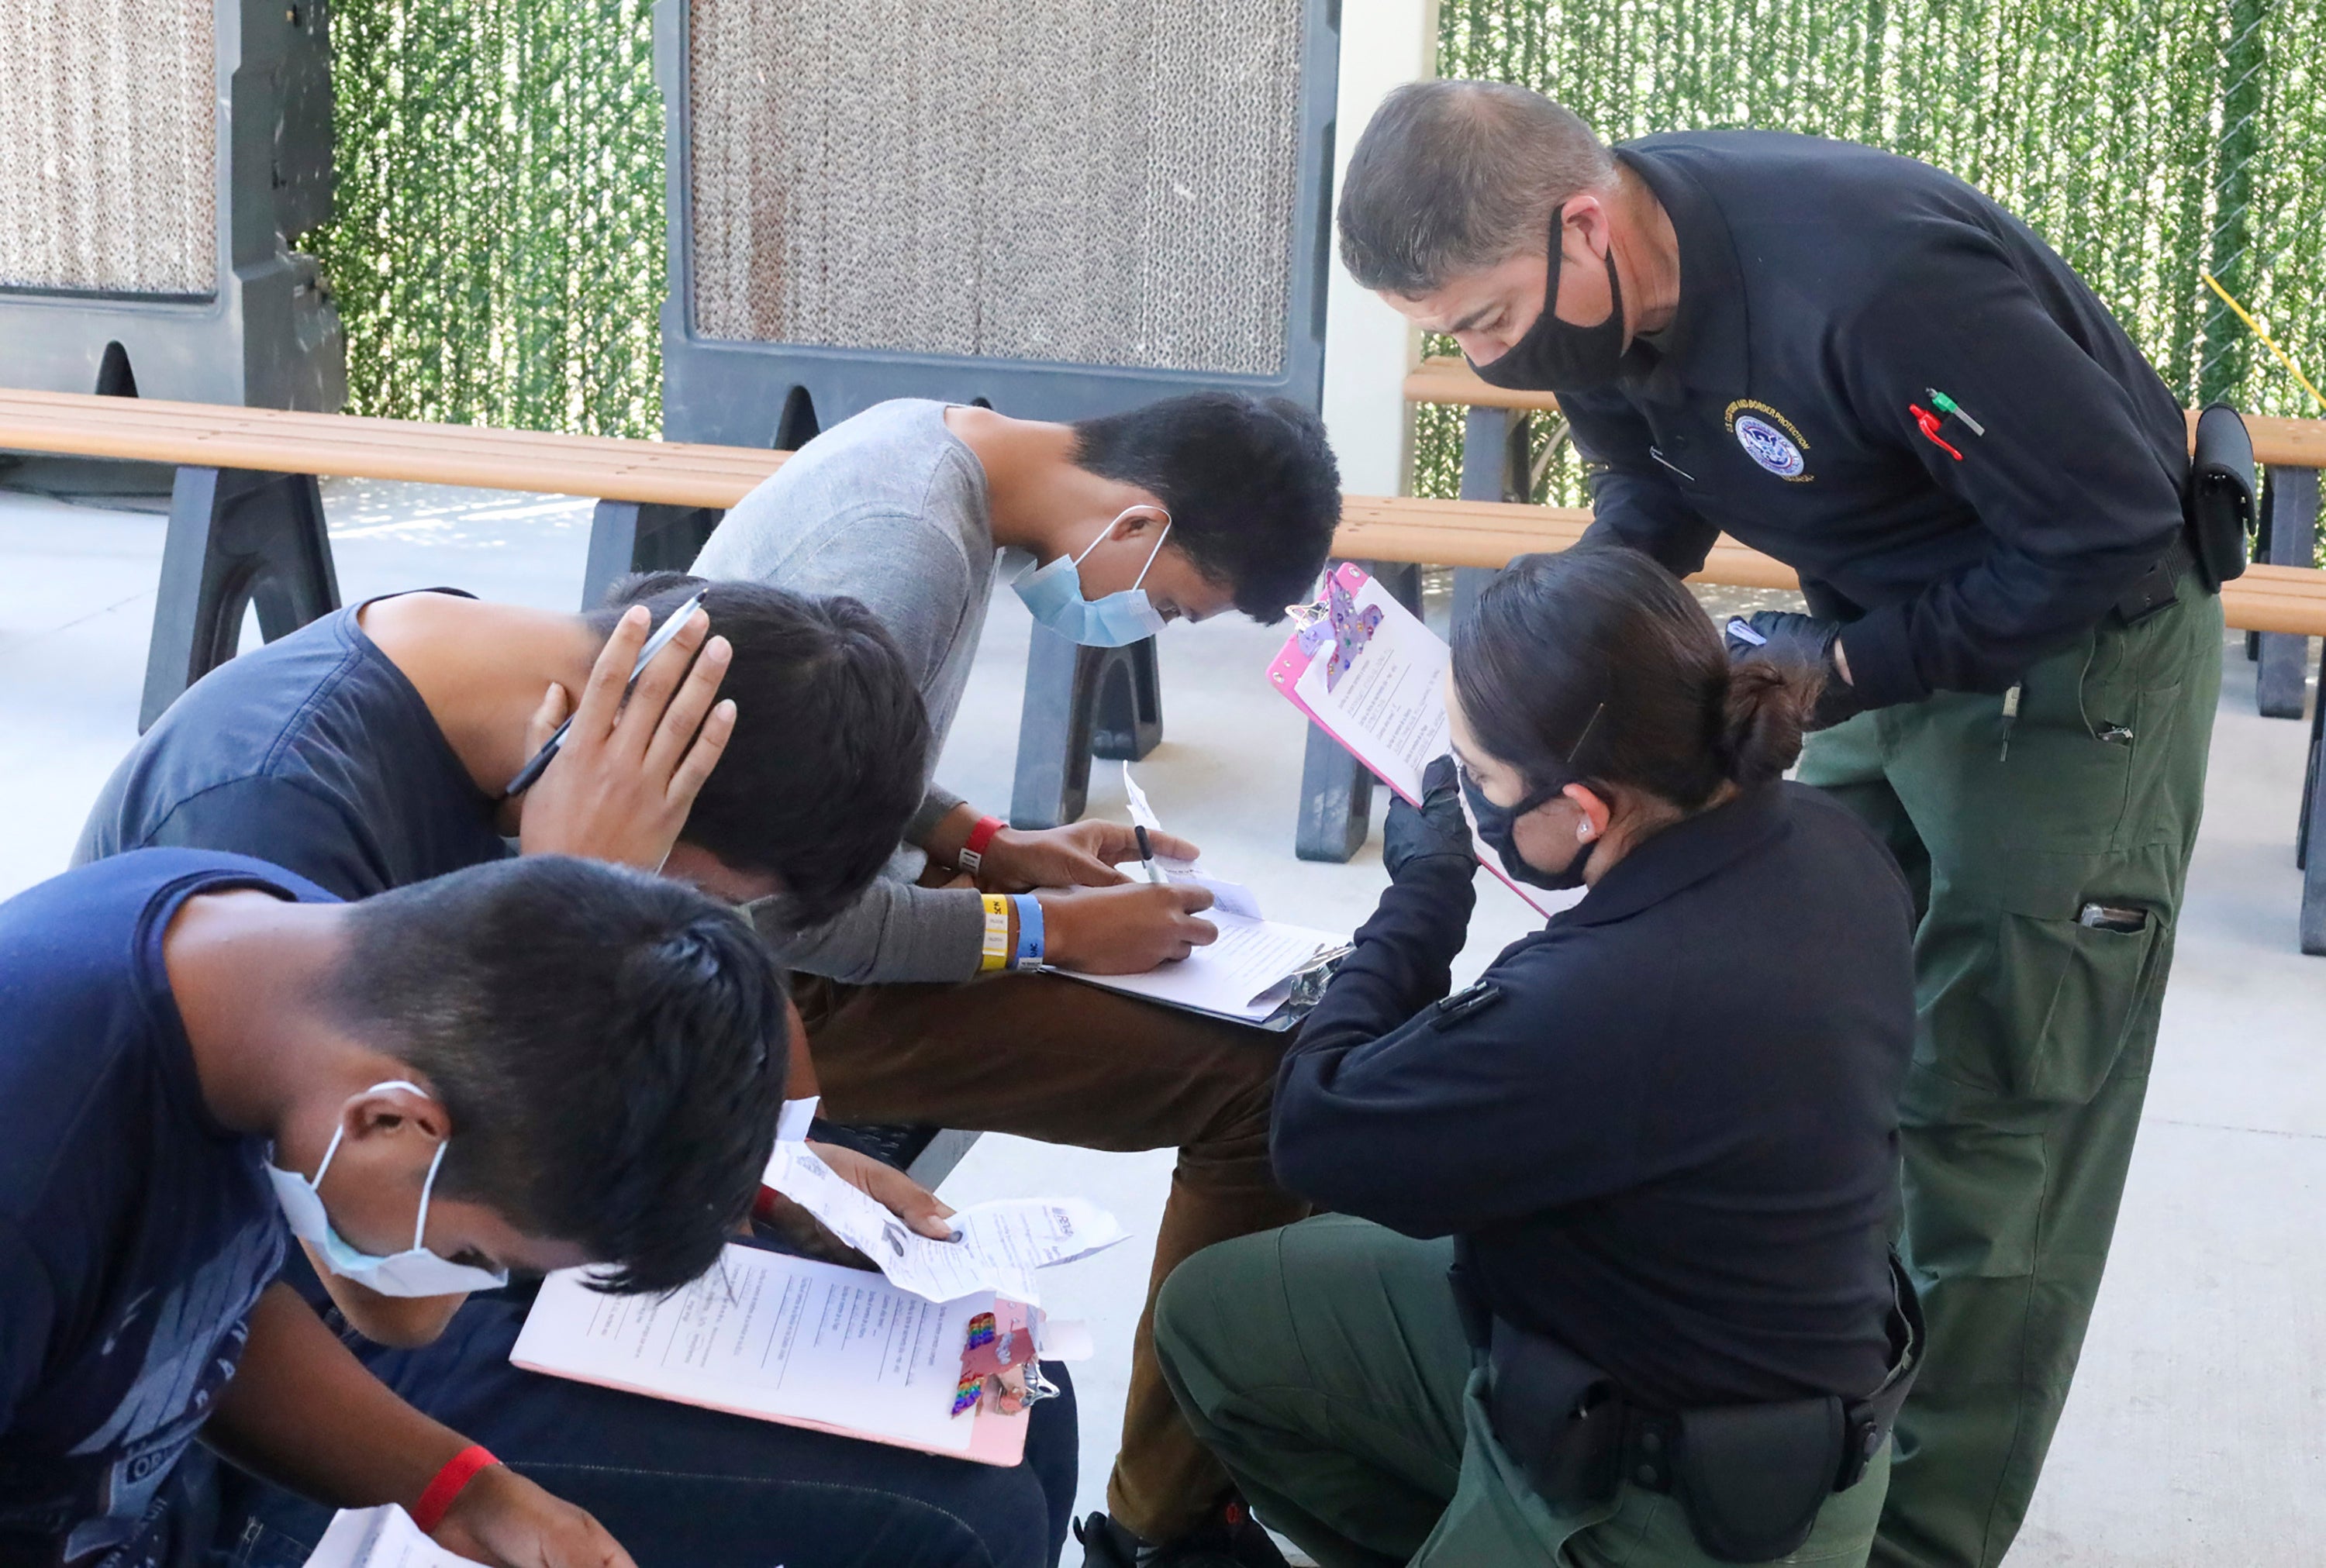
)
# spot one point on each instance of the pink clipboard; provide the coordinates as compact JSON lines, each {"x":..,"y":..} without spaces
{"x":1304,"y":647}
{"x":995,"y":1439}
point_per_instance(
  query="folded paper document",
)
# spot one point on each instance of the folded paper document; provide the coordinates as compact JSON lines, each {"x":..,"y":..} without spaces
{"x":1372,"y":677}
{"x":788,"y":1340}
{"x":381,"y":1537}
{"x":998,"y":1246}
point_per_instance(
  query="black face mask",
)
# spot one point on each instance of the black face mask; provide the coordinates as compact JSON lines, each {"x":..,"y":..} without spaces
{"x":1498,"y":826}
{"x":1557,"y":356}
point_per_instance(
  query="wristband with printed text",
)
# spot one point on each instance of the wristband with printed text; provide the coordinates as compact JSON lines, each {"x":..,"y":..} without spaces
{"x":995,"y":952}
{"x":972,"y":853}
{"x":437,"y":1499}
{"x":1030,"y":932}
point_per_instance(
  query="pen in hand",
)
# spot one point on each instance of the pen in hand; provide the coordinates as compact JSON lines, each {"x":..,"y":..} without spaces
{"x":1146,"y":854}
{"x":675,"y":622}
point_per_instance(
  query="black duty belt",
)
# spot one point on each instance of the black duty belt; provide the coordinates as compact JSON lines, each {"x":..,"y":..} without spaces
{"x":2160,"y":585}
{"x":1750,"y":1478}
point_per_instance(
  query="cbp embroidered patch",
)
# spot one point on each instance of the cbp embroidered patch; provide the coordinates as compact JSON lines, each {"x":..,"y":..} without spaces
{"x":1769,"y":438}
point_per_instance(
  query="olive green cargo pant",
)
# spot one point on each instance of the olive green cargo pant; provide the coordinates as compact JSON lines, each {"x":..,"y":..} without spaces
{"x":1326,"y":1365}
{"x":2035,"y":1031}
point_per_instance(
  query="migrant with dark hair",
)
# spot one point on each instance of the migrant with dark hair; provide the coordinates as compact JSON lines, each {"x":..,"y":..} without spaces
{"x":1251,"y":486}
{"x":826,"y":762}
{"x":611,"y":1048}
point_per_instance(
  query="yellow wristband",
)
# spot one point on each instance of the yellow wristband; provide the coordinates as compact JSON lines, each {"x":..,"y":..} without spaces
{"x":995,"y":953}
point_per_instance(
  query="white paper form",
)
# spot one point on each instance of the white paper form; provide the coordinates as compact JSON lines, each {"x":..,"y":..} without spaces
{"x":768,"y":1335}
{"x":1227,"y":898}
{"x":1245,"y":974}
{"x":1389,"y":707}
{"x":1001,"y":1243}
{"x":381,"y":1537}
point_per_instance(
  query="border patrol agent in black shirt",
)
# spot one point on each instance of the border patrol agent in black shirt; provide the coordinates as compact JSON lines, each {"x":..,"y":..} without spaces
{"x":1873,"y":371}
{"x":1660,"y":1136}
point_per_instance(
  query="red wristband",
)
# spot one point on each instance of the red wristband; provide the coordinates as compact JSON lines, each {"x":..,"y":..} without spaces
{"x":458,"y":1472}
{"x":973,"y":852}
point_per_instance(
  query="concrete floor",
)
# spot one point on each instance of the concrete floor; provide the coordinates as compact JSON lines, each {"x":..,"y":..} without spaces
{"x":2194,"y":1434}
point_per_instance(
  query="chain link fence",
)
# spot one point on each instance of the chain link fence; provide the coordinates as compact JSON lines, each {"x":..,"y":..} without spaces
{"x":2150,"y":141}
{"x":497,"y":247}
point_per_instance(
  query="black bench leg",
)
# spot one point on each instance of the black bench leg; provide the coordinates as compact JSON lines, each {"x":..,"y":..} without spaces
{"x":1079,"y":702}
{"x":2313,"y":811}
{"x":2290,"y":509}
{"x":1336,"y":798}
{"x":237,"y":538}
{"x":1336,"y":802}
{"x":626,"y":537}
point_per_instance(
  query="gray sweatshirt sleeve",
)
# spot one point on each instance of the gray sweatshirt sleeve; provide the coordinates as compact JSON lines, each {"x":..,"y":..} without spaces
{"x":936,"y":804}
{"x":895,"y":931}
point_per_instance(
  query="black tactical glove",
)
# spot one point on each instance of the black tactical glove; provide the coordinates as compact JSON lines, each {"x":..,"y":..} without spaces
{"x":1435,"y":827}
{"x":1791,"y":638}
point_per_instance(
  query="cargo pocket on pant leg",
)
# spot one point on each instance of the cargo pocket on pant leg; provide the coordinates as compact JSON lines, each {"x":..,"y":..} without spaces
{"x":2064,"y":994}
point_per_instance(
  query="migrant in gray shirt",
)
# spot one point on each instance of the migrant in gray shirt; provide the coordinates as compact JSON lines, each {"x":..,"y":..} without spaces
{"x":890,"y":508}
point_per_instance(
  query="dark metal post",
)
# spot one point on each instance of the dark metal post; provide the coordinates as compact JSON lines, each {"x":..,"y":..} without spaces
{"x":2314,"y":810}
{"x":2290,"y":504}
{"x":1336,"y":790}
{"x":1079,"y":702}
{"x":237,"y":538}
{"x":626,"y":537}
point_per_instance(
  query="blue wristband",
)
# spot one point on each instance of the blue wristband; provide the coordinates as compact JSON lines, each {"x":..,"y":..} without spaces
{"x":1029,"y":932}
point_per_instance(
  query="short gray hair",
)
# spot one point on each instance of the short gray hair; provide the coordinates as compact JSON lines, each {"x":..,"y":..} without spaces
{"x":1454,"y":176}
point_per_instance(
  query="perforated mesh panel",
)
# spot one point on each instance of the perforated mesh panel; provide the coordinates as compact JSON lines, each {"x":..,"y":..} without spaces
{"x":1108,"y":182}
{"x":108,"y":146}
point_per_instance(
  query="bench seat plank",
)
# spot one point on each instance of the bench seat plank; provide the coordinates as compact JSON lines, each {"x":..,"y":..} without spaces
{"x":271,"y":441}
{"x":2266,"y":599}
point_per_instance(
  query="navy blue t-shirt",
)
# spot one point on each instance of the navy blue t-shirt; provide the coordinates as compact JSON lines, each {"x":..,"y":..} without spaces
{"x":313,"y":753}
{"x":136,"y":1231}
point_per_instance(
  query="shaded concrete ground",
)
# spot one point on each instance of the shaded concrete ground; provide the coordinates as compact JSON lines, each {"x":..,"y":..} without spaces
{"x":2195,"y":1431}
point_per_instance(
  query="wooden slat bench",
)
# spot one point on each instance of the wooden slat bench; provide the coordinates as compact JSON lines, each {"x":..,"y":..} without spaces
{"x":246,"y":525}
{"x":2281,"y":598}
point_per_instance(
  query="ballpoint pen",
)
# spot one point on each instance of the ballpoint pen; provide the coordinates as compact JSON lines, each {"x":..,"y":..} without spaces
{"x":1147,"y":853}
{"x":530,"y":774}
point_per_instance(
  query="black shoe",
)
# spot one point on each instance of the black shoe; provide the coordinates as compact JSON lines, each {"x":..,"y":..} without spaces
{"x":1232,"y":1538}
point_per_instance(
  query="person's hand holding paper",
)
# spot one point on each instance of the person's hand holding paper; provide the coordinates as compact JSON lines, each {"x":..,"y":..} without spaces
{"x":923,"y":1210}
{"x":1126,"y":930}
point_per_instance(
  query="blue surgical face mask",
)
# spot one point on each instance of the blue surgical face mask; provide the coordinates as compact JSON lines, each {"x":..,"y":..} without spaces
{"x":414,"y":1272}
{"x":1055,"y":594}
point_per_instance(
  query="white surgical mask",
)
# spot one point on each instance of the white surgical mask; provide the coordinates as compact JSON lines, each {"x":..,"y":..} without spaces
{"x":1055,"y":594}
{"x":414,"y":1272}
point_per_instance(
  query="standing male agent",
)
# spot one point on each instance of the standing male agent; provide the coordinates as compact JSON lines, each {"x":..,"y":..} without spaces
{"x":1874,"y":373}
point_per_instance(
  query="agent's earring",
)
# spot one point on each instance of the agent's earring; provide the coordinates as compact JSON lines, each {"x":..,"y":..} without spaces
{"x":1582,"y":831}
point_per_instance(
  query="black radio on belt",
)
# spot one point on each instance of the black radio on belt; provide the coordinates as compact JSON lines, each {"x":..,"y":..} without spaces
{"x":2217,"y":517}
{"x":2219,"y":505}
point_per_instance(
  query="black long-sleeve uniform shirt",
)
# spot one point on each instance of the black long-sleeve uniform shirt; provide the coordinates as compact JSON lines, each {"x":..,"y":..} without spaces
{"x":1824,"y":289}
{"x":1668,"y":1127}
